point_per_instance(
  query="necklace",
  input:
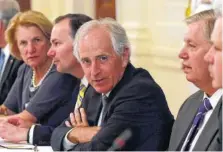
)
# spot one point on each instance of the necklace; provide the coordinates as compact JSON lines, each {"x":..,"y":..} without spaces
{"x":34,"y":75}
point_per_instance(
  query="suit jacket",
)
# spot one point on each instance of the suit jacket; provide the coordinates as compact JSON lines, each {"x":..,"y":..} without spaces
{"x":136,"y":102}
{"x":42,"y":133}
{"x":209,"y":139}
{"x":8,"y":77}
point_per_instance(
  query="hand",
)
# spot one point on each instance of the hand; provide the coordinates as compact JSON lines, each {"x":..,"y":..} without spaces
{"x":12,"y":133}
{"x":82,"y":134}
{"x":78,"y":119}
{"x":3,"y":110}
{"x":19,"y":122}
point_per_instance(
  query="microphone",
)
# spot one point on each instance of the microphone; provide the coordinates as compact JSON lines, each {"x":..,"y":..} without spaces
{"x":121,"y":140}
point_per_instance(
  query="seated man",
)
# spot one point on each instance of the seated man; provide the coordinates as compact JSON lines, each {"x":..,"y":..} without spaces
{"x":197,"y":125}
{"x":128,"y":97}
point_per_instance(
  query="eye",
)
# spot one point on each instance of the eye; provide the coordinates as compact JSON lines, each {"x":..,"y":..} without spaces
{"x":56,"y":44}
{"x":192,"y":45}
{"x":103,"y":58}
{"x":37,"y":40}
{"x":217,"y":49}
{"x":22,"y":43}
{"x":86,"y":61}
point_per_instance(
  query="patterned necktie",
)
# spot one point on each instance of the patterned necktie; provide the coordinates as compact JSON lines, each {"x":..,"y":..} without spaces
{"x":80,"y":97}
{"x":2,"y":59}
{"x":197,"y":122}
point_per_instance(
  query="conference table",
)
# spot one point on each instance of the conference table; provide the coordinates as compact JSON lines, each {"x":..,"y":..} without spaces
{"x":22,"y":147}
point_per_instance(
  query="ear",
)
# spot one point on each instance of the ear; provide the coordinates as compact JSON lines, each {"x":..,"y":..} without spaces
{"x":125,"y":56}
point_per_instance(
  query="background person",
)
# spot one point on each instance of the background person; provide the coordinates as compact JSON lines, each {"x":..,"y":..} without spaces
{"x":8,"y":64}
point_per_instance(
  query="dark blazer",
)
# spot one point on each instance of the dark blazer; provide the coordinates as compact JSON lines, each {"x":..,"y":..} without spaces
{"x":8,"y":77}
{"x":136,"y":102}
{"x":42,"y":133}
{"x":209,"y":139}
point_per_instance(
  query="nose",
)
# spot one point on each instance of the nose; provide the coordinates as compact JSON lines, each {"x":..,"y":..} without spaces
{"x":183,"y":53}
{"x":209,"y":56}
{"x":95,"y":68}
{"x":30,"y":48}
{"x":51,"y":53}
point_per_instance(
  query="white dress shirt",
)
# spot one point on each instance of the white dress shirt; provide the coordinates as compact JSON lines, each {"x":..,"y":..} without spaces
{"x":214,"y":99}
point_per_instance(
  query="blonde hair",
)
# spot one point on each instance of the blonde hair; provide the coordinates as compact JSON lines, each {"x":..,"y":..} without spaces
{"x":208,"y":17}
{"x":28,"y":18}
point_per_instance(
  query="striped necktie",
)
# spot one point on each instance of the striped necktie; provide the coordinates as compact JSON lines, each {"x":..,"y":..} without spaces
{"x":197,"y":122}
{"x":80,"y":97}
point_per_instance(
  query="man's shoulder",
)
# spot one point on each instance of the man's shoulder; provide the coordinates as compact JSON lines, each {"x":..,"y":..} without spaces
{"x":193,"y":99}
{"x":142,"y":79}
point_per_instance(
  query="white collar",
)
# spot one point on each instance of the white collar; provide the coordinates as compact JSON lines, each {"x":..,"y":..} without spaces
{"x":214,"y":98}
{"x":5,"y":50}
{"x":84,"y":81}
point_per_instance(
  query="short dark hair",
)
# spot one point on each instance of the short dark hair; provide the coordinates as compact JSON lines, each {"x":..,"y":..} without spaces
{"x":76,"y":20}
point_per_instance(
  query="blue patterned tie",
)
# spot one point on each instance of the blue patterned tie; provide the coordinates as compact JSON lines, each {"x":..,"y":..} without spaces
{"x":198,"y":120}
{"x":2,"y":59}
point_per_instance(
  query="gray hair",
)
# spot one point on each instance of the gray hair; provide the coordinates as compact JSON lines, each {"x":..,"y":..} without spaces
{"x":8,"y":8}
{"x":218,"y":8}
{"x":208,"y":17}
{"x":117,"y":33}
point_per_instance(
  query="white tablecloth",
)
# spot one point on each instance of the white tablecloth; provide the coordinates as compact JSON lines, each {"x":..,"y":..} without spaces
{"x":23,"y":145}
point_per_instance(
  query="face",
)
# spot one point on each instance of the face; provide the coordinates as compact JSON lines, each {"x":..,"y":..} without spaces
{"x":33,"y":45}
{"x":61,"y":47}
{"x":214,"y":55}
{"x":192,"y":54}
{"x":102,"y":66}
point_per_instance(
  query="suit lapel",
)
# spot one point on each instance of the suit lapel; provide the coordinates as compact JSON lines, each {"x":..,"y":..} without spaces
{"x":186,"y":120}
{"x":127,"y":76}
{"x":92,"y":104}
{"x":209,"y":131}
{"x":7,"y":68}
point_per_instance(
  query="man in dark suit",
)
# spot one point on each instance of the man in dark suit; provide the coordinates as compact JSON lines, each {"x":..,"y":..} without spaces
{"x":197,"y":125}
{"x":8,"y":64}
{"x":123,"y":97}
{"x":62,"y":35}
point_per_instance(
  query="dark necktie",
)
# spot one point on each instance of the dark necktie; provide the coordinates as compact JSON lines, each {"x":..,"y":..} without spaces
{"x":197,"y":122}
{"x":104,"y":104}
{"x":104,"y":101}
{"x":2,"y":59}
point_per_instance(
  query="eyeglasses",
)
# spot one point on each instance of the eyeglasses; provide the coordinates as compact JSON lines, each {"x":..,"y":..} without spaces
{"x":35,"y":149}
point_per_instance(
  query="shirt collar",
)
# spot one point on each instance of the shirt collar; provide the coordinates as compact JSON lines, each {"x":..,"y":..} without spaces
{"x":5,"y":50}
{"x":214,"y":98}
{"x":84,"y":81}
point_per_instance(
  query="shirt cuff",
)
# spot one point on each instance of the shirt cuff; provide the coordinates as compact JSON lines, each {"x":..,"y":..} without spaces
{"x":31,"y":131}
{"x":67,"y":145}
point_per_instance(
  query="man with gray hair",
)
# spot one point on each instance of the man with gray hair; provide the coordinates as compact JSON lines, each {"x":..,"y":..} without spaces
{"x":130,"y":105}
{"x":214,"y":55}
{"x":8,"y":64}
{"x":198,"y":122}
